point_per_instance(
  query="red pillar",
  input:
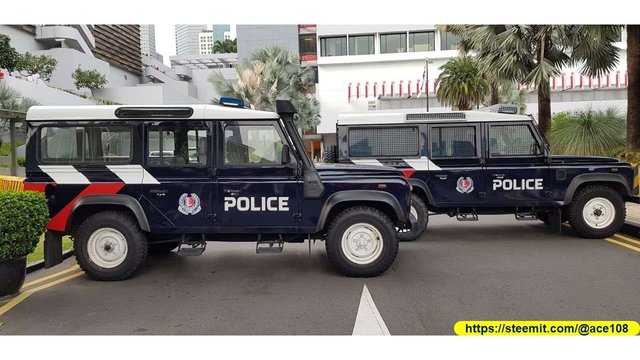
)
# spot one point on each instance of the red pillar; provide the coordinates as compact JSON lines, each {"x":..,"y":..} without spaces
{"x":366,"y":89}
{"x":392,"y":89}
{"x":349,"y":93}
{"x":384,"y":88}
{"x":375,"y":90}
{"x":358,"y":91}
{"x":571,"y":82}
{"x":400,"y":88}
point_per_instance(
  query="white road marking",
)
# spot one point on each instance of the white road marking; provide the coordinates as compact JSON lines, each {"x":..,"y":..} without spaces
{"x":368,"y":320}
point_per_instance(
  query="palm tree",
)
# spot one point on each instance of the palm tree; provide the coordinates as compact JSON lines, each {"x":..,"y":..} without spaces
{"x":12,"y":99}
{"x":513,"y":96}
{"x":225,"y":47}
{"x":534,"y":53}
{"x":588,"y":132}
{"x":460,"y":84}
{"x":273,"y":73}
{"x":633,"y":87}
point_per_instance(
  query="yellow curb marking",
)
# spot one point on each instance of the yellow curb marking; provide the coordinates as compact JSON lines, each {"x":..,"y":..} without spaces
{"x":634,"y":248}
{"x":622,"y":237}
{"x":45,"y":278}
{"x":18,"y":299}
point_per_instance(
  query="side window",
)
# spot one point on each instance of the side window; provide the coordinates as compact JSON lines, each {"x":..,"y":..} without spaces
{"x":384,"y":141}
{"x":177,"y":145}
{"x":512,"y":140}
{"x":453,"y":141}
{"x":85,"y":144}
{"x":252,"y":144}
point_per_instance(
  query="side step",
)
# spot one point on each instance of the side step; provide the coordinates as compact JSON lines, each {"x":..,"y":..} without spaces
{"x":269,"y":246}
{"x":472,"y":216}
{"x":192,"y":248}
{"x":526,"y":216}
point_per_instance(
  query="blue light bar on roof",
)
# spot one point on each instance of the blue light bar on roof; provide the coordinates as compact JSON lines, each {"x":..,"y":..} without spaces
{"x":230,"y":101}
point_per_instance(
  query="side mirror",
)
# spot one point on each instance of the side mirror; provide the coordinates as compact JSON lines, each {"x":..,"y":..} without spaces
{"x":285,"y":158}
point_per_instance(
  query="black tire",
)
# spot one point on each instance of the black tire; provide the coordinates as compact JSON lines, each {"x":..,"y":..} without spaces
{"x":582,"y":197}
{"x":330,"y":155}
{"x":137,"y":245}
{"x":163,"y":247}
{"x":373,"y":218}
{"x":423,"y":220}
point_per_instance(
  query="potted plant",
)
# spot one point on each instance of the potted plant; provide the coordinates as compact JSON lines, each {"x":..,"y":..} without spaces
{"x":23,"y":217}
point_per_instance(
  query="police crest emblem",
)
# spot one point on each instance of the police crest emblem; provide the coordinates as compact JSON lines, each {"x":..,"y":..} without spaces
{"x":464,"y":185}
{"x":189,"y":204}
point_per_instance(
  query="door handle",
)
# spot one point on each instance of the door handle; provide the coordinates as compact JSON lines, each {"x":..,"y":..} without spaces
{"x":499,"y":176}
{"x":442,"y":176}
{"x":233,"y":192}
{"x":158,"y":192}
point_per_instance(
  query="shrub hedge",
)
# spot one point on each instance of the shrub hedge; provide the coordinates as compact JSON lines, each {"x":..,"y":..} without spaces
{"x":23,"y":218}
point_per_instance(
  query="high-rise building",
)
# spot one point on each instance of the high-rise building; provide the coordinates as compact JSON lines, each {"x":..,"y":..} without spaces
{"x":219,"y":30}
{"x":187,"y":39}
{"x":205,"y":43}
{"x":148,"y":42}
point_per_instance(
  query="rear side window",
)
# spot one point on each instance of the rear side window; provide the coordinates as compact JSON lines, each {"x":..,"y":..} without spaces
{"x":512,"y":140}
{"x":453,"y":141}
{"x":177,"y":145}
{"x":85,"y":144}
{"x":384,"y":141}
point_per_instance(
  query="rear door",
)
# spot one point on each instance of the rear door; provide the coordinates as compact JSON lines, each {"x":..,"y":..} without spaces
{"x":179,"y":198}
{"x":257,"y":191}
{"x":517,"y":173}
{"x":456,"y":180}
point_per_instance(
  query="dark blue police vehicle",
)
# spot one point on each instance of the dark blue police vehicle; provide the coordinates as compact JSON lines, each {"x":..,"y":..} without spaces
{"x":468,"y":163}
{"x":124,"y":180}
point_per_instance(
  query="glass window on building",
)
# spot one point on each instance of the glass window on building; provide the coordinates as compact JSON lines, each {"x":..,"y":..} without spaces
{"x":333,"y":46}
{"x":307,"y":43}
{"x":448,"y":41}
{"x":422,"y":41}
{"x":361,"y":45}
{"x":393,"y":43}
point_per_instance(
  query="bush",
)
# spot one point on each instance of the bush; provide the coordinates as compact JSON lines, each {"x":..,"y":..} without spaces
{"x":23,"y":218}
{"x":91,"y":79}
{"x":588,"y":132}
{"x":21,"y":161}
{"x":9,"y":57}
{"x":42,"y":65}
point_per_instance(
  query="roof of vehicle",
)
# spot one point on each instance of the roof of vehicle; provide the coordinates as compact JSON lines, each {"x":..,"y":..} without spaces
{"x":409,"y":116}
{"x":108,"y":112}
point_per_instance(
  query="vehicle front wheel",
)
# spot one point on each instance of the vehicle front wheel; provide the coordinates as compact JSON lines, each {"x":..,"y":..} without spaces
{"x":597,"y":212}
{"x":110,"y":246}
{"x":421,"y":213}
{"x":361,"y":242}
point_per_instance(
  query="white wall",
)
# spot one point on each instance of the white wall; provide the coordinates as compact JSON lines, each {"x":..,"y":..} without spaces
{"x":23,"y":41}
{"x":44,"y":94}
{"x":145,"y":94}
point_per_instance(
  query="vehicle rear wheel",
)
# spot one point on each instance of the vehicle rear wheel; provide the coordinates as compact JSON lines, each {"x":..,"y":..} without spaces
{"x":109,"y":246}
{"x":421,"y":213}
{"x":163,"y":247}
{"x":597,"y":212}
{"x":361,"y":242}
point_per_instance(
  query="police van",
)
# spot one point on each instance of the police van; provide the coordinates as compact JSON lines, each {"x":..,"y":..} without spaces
{"x":125,"y":180}
{"x":469,"y":163}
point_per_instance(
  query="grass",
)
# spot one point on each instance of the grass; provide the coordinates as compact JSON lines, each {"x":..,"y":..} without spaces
{"x":5,"y":148}
{"x":38,"y":253}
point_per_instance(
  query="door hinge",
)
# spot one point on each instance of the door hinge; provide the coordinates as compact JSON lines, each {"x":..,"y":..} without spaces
{"x":482,"y":195}
{"x":296,"y":216}
{"x":212,"y":217}
{"x":548,"y":194}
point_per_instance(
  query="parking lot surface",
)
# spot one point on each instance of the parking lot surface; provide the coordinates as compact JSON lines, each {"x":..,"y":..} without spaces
{"x":496,"y":268}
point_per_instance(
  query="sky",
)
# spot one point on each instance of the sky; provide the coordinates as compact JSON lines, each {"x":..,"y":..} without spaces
{"x":166,"y":40}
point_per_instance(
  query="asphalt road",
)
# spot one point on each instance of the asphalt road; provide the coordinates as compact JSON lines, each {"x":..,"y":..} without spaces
{"x":496,"y":268}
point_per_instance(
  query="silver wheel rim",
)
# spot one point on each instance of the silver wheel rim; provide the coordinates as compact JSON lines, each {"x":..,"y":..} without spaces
{"x":362,"y":243}
{"x":412,"y":212}
{"x":598,"y":213}
{"x":107,"y":248}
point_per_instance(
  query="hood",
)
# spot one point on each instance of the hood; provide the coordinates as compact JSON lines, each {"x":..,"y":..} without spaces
{"x":564,"y":159}
{"x":355,"y":170}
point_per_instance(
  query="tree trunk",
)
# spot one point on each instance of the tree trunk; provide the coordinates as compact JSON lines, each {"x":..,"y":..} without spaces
{"x":495,"y":96}
{"x":633,"y":87}
{"x":544,"y":108}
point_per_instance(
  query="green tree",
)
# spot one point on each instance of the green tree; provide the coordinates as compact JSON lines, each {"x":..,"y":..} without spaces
{"x":534,"y":53}
{"x":12,"y":99}
{"x":42,"y":65}
{"x":90,"y":79}
{"x":633,"y":87}
{"x":225,"y":47}
{"x":460,"y":84}
{"x":273,"y":73}
{"x":588,"y":132}
{"x":9,"y":57}
{"x":510,"y":95}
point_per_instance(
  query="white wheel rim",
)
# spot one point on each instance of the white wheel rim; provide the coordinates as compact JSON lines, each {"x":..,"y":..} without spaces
{"x":598,"y":213}
{"x":107,"y":248}
{"x":362,"y":243}
{"x":412,"y":212}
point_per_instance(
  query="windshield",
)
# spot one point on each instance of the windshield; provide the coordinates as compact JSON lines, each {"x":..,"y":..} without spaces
{"x":296,"y":140}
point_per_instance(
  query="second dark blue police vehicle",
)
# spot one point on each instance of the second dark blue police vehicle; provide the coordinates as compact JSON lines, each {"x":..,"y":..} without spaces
{"x":125,"y":180}
{"x":469,"y":163}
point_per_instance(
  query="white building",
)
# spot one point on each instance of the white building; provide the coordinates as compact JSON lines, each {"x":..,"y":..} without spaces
{"x":187,"y":39}
{"x":148,"y":41}
{"x":205,"y":43}
{"x":376,"y":67}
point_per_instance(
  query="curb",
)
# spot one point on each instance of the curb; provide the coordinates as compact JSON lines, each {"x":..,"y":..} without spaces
{"x":40,"y":263}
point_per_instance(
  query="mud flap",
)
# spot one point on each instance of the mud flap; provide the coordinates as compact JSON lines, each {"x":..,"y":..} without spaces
{"x":52,"y":249}
{"x":555,"y":221}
